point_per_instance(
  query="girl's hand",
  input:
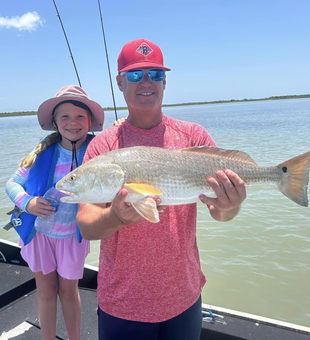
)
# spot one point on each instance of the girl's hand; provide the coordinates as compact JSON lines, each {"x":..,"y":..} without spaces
{"x":119,"y":122}
{"x":39,"y":206}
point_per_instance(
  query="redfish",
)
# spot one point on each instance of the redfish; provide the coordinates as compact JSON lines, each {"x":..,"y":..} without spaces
{"x":176,"y":176}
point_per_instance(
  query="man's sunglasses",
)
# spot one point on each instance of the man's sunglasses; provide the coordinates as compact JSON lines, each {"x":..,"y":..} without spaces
{"x":135,"y":76}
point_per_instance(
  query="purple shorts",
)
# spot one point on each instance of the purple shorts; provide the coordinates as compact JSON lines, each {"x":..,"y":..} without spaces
{"x":65,"y":255}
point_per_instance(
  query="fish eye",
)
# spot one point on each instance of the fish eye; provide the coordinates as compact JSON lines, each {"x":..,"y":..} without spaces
{"x":72,"y":177}
{"x":284,"y":169}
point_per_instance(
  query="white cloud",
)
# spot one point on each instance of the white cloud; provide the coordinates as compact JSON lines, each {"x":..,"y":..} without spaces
{"x":27,"y":22}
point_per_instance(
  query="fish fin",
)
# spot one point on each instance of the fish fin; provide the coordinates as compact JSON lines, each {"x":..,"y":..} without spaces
{"x":143,"y":189}
{"x":295,"y":178}
{"x":147,"y":208}
{"x":217,"y":152}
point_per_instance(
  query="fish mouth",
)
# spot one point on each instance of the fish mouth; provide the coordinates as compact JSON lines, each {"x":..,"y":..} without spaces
{"x":68,"y":193}
{"x":64,"y":191}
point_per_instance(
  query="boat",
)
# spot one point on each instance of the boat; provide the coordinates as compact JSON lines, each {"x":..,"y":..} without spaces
{"x":19,"y":319}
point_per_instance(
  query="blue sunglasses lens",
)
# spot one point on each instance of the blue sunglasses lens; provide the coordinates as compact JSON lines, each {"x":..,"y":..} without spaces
{"x":156,"y":75}
{"x":136,"y":76}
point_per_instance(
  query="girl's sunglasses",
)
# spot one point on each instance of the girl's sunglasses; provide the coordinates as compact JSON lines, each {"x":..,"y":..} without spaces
{"x":135,"y":76}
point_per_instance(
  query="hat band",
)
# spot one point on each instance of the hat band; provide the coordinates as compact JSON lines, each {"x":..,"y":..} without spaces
{"x":73,"y":102}
{"x":73,"y":95}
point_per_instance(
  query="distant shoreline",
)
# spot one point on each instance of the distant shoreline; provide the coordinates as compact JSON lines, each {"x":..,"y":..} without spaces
{"x":28,"y":113}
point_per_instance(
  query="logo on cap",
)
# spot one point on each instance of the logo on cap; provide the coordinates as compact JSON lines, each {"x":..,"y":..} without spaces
{"x":144,"y":49}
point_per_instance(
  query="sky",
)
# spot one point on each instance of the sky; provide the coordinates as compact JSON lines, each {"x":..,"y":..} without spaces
{"x":217,"y":50}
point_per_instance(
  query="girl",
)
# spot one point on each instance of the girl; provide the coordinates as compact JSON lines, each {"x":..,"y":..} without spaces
{"x":56,"y":257}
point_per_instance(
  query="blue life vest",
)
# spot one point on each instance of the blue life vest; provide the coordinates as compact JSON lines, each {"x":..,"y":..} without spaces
{"x":40,"y":179}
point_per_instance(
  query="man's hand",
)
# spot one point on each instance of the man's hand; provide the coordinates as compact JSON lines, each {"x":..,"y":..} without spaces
{"x":229,"y":198}
{"x":100,"y":221}
{"x":125,"y":212}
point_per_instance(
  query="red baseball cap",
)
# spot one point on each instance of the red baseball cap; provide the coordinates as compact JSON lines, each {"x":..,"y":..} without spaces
{"x":140,"y":53}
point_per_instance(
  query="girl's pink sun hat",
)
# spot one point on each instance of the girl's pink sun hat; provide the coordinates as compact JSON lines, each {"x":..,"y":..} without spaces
{"x":72,"y":92}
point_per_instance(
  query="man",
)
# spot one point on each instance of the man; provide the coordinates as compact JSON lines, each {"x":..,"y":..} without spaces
{"x":150,"y":280}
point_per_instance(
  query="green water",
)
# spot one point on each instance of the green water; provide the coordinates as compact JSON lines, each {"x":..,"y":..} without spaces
{"x":257,"y":263}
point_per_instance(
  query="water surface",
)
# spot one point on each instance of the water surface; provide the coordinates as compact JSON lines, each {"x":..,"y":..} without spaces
{"x":257,"y":263}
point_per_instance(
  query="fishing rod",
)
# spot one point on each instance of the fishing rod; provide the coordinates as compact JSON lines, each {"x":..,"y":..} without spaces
{"x":63,"y":29}
{"x":106,"y":52}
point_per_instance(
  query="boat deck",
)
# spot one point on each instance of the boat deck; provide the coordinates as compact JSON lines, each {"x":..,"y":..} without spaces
{"x":19,"y":319}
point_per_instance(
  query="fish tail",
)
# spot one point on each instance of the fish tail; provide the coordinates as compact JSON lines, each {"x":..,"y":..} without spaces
{"x":295,"y":178}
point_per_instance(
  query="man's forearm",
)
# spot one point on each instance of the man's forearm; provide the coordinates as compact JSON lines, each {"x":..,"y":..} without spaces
{"x":97,"y":221}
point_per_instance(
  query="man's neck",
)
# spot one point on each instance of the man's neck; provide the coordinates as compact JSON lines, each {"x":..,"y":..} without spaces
{"x":145,"y":121}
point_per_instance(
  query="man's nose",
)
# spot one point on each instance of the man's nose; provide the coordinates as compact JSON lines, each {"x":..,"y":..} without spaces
{"x":146,"y":77}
